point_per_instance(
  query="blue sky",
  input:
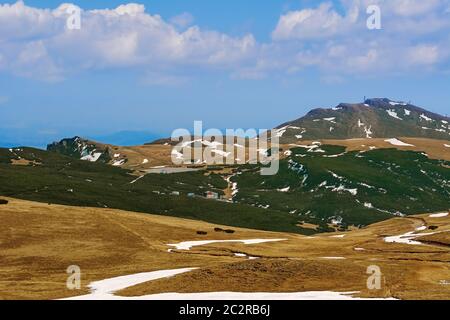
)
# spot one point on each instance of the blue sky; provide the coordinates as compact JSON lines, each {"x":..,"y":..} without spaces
{"x":229,"y":63}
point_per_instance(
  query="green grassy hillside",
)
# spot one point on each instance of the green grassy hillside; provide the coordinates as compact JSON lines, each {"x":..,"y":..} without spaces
{"x":315,"y":184}
{"x":324,"y":183}
{"x":55,"y":178}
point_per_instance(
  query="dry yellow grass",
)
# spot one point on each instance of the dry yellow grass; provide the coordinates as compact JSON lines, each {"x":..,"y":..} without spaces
{"x":435,"y":149}
{"x":156,"y":155}
{"x":160,"y":155}
{"x":39,"y":241}
{"x":23,"y":162}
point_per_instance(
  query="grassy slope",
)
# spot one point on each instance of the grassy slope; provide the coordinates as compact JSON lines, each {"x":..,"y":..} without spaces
{"x":39,"y":241}
{"x":396,"y":179}
{"x":392,"y":181}
{"x":350,"y":121}
{"x":63,"y":180}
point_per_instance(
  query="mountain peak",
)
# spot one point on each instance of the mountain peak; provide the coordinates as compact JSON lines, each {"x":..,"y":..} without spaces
{"x":374,"y":118}
{"x":81,"y":148}
{"x":375,"y":102}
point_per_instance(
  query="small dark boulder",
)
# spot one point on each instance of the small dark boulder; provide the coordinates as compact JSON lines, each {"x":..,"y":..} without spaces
{"x":433,"y":227}
{"x":3,"y":201}
{"x":202,"y":233}
{"x":230,"y":231}
{"x":218,"y":230}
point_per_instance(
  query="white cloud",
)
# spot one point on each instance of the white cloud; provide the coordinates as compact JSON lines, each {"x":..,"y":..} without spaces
{"x":423,"y":54}
{"x":314,"y":23}
{"x":182,"y":20}
{"x":36,"y":43}
{"x":413,"y":7}
{"x":411,"y":16}
{"x":414,"y":35}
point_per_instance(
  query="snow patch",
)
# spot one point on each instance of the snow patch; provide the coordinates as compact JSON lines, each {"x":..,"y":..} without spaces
{"x":137,"y":179}
{"x":332,"y":120}
{"x":368,"y":205}
{"x":393,"y":114}
{"x":92,"y":157}
{"x":393,"y":103}
{"x":353,"y":192}
{"x":334,"y":155}
{"x":424,"y":117}
{"x":243,"y":255}
{"x":368,"y":132}
{"x":105,"y":289}
{"x":439,"y":215}
{"x":187,"y":245}
{"x":281,"y":131}
{"x":118,"y":163}
{"x":338,"y":236}
{"x":396,"y":142}
{"x":407,"y":238}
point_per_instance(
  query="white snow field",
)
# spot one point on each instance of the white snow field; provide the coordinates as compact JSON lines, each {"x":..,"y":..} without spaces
{"x":396,"y":142}
{"x":439,"y":215}
{"x":408,"y":238}
{"x":187,"y":245}
{"x":105,"y":290}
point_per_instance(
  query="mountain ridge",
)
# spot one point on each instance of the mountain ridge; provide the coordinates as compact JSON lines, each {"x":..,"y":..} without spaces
{"x":375,"y":118}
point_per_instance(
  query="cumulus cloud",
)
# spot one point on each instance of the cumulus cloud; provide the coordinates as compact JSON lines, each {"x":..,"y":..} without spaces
{"x":413,"y":7}
{"x":314,"y":23}
{"x":399,"y":15}
{"x":414,"y":34}
{"x":36,"y":43}
{"x":182,"y":20}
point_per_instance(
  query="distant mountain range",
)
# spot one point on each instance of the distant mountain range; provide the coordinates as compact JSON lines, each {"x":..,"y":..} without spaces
{"x":375,"y":118}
